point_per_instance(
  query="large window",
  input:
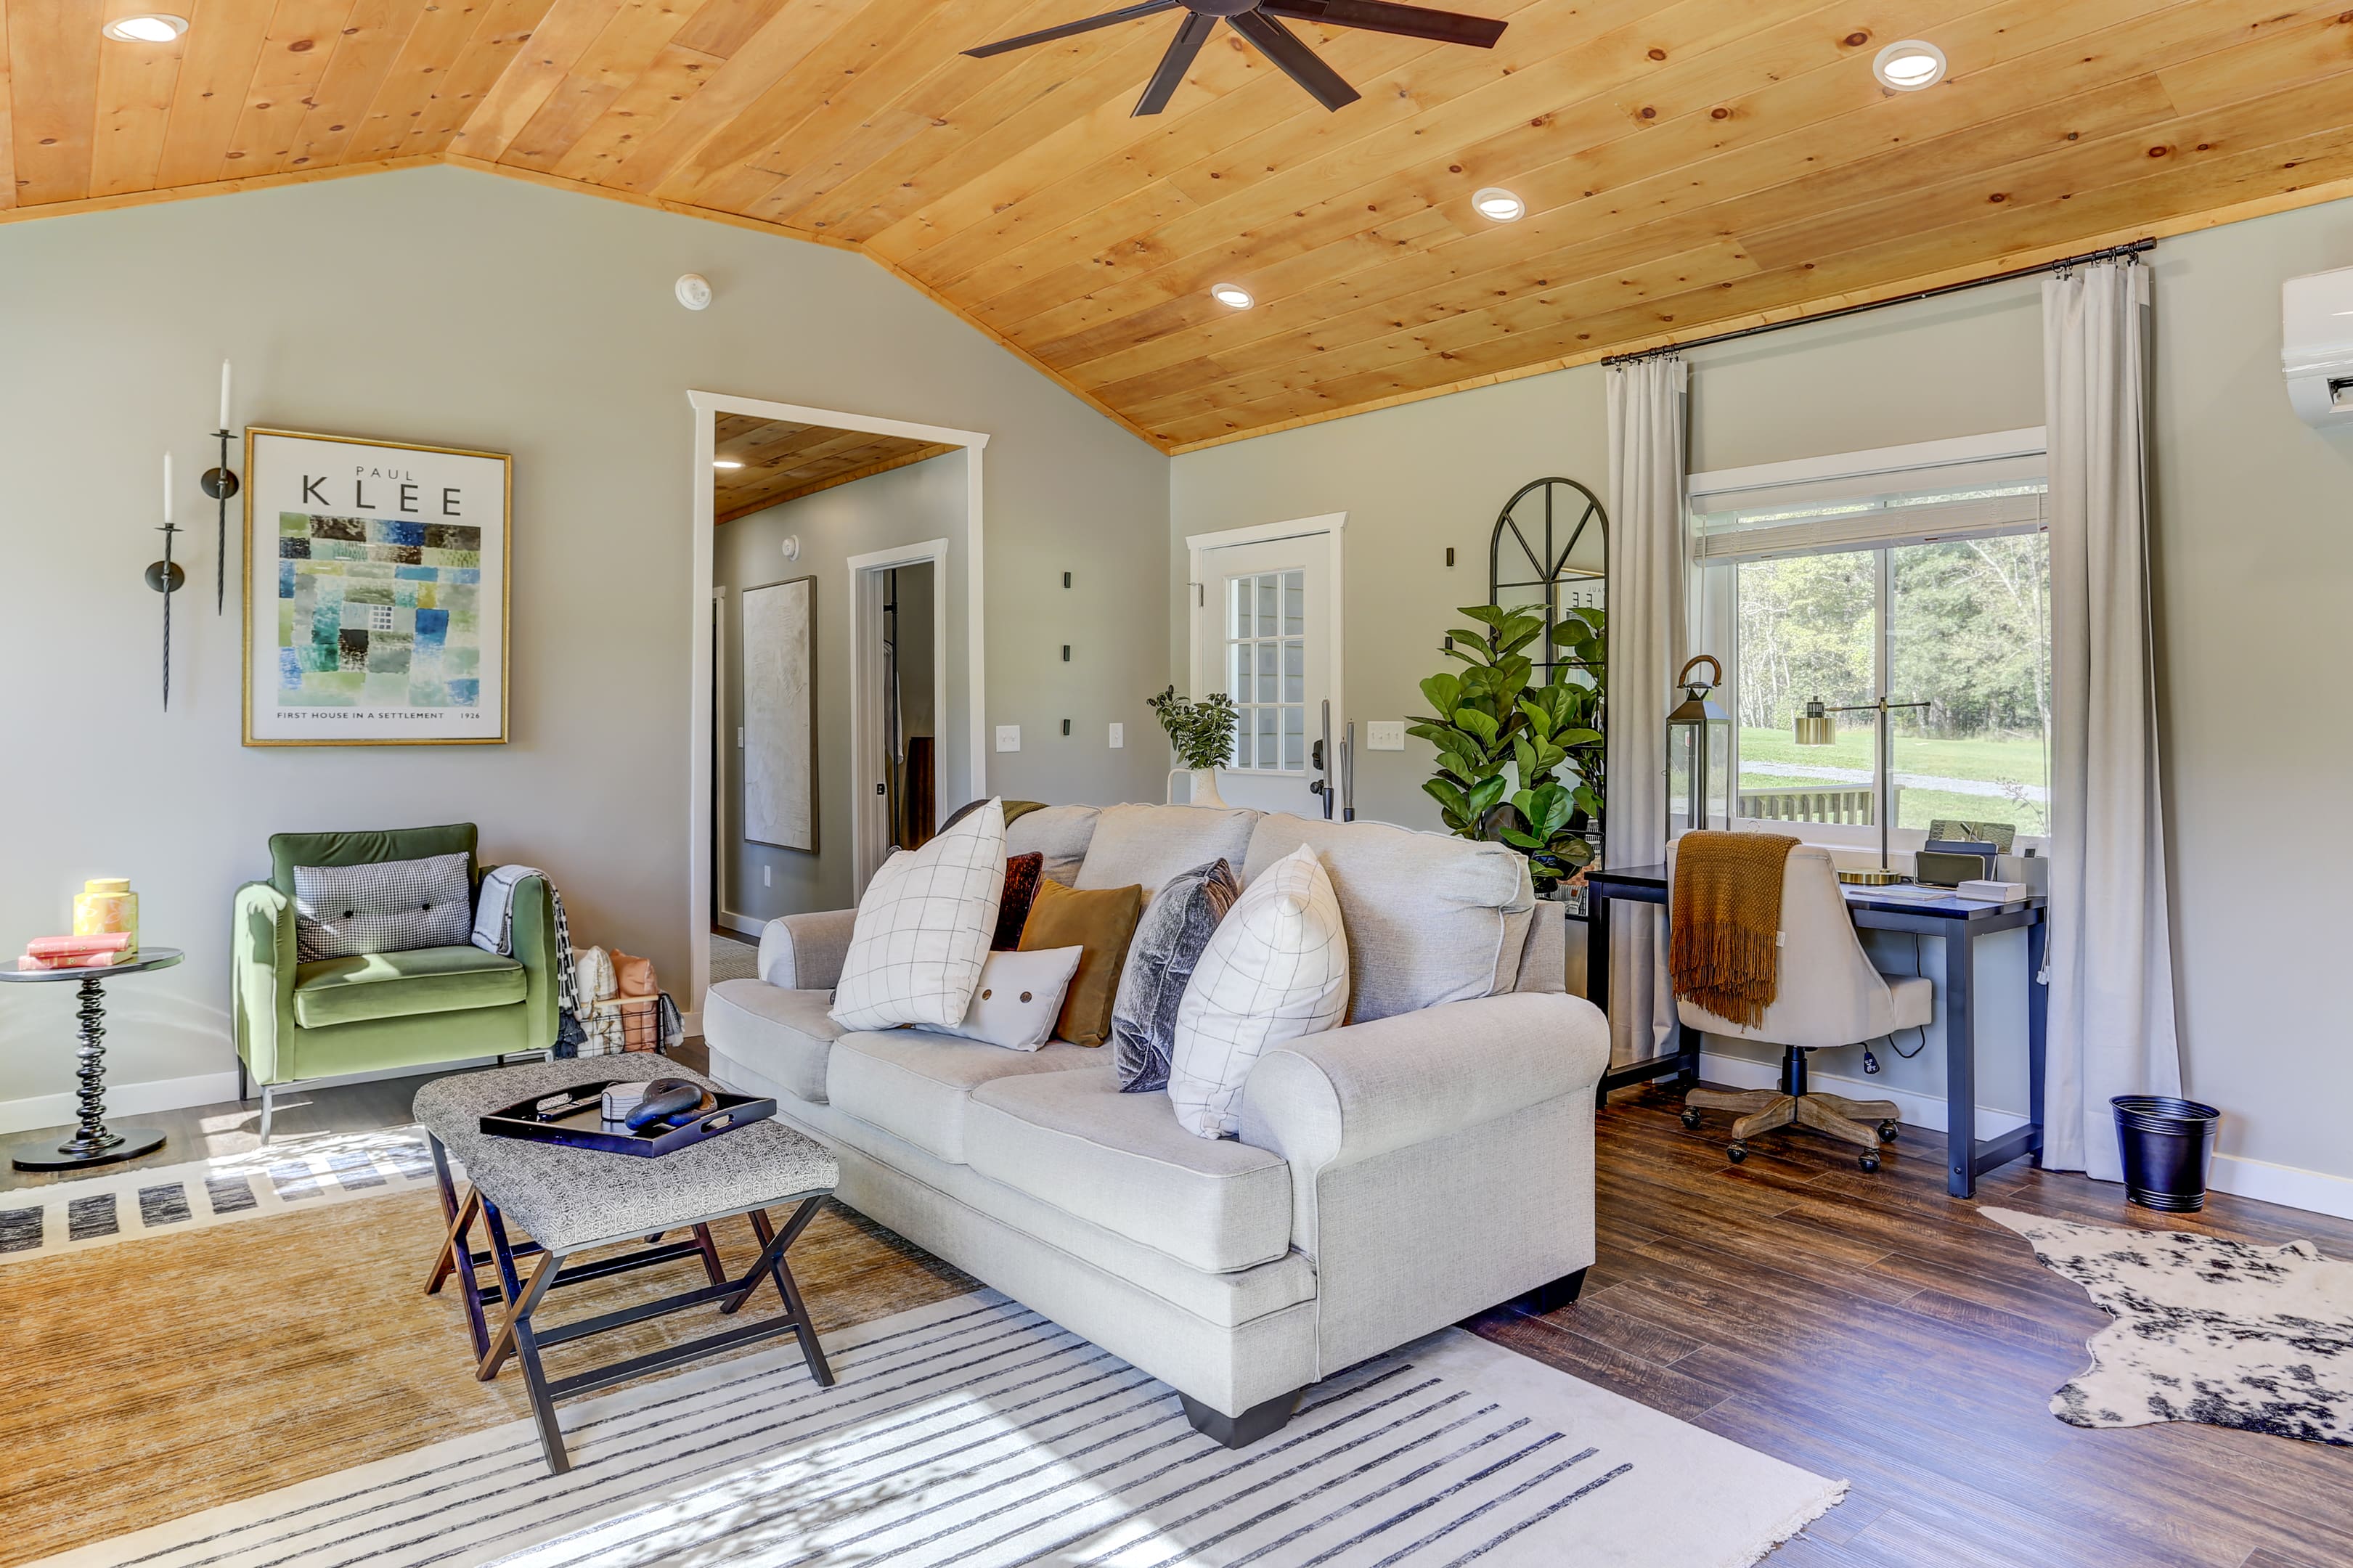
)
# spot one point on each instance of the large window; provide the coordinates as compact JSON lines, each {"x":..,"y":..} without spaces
{"x":1851,"y":578}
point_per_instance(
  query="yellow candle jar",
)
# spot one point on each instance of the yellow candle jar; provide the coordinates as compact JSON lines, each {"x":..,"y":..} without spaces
{"x":106,"y":905}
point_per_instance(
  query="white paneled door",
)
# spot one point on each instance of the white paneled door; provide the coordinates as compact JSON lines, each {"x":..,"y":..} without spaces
{"x":1263,"y":633}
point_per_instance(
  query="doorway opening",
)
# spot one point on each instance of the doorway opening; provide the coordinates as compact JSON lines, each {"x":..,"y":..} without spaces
{"x":837,"y":705}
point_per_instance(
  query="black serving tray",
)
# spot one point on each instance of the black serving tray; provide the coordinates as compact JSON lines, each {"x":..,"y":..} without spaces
{"x":574,"y":1118}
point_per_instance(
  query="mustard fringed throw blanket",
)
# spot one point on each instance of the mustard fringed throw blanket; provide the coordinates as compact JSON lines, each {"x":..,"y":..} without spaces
{"x":1724,"y":950}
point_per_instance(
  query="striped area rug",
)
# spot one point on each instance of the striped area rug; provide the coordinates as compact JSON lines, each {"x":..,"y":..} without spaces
{"x":304,"y":1173}
{"x":975,"y":1433}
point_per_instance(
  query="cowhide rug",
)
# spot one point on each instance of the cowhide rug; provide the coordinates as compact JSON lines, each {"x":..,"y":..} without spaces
{"x":2221,"y":1331}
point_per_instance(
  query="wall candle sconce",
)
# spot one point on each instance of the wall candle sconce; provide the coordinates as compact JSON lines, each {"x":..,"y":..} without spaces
{"x":221,"y":483}
{"x":165,"y":576}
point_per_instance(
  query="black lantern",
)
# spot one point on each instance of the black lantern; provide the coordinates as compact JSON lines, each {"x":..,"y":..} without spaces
{"x":1699,"y":753}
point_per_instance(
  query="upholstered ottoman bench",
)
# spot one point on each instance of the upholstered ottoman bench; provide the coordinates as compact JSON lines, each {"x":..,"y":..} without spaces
{"x":568,"y":1201}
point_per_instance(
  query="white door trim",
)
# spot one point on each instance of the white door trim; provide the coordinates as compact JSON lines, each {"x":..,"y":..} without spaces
{"x":1199,"y":545}
{"x":866,"y":696}
{"x":707,"y":406}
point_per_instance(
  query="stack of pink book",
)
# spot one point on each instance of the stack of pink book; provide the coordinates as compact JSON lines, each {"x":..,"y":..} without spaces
{"x":76,"y":951}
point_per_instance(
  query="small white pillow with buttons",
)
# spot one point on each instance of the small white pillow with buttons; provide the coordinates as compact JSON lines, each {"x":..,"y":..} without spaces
{"x":1019,"y":998}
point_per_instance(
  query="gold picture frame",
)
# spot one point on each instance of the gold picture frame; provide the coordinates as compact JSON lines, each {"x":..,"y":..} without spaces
{"x":390,"y":529}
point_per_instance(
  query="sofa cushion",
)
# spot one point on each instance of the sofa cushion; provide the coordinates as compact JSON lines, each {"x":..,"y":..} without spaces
{"x":1120,"y":1161}
{"x":404,"y":985}
{"x":1430,"y":918}
{"x":916,"y":1085}
{"x":1100,"y":924}
{"x":1061,"y":833}
{"x":785,"y":1034}
{"x":1150,"y":844}
{"x":923,"y":928}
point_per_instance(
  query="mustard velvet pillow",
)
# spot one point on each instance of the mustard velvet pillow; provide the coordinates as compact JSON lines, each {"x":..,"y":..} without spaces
{"x":1102,"y":921}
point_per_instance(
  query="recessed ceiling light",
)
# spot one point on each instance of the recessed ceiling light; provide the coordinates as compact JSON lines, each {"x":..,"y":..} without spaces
{"x":1909,"y":66}
{"x":725,"y":463}
{"x":149,"y":29}
{"x":1500,"y":205}
{"x":1232,"y":294}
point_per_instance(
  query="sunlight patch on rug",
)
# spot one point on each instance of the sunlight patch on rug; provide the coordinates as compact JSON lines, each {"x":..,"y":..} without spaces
{"x":974,"y":1432}
{"x":2225,"y":1332}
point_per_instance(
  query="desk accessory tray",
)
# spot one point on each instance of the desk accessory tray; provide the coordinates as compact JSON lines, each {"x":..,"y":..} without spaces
{"x":572,"y":1117}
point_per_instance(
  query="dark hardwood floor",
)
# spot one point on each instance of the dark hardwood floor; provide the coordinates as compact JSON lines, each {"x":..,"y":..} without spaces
{"x":1871,"y":1327}
{"x":1864,"y":1327}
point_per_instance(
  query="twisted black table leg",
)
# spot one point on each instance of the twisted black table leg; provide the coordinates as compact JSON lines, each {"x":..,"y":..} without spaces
{"x":93,"y":1142}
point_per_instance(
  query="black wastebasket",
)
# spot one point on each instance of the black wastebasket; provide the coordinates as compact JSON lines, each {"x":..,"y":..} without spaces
{"x":2167,"y":1146}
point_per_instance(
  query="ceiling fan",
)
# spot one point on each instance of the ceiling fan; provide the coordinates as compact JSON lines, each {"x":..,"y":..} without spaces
{"x":1257,"y":21}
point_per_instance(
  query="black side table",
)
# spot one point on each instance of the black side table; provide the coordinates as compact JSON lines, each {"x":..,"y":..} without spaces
{"x":93,"y":1142}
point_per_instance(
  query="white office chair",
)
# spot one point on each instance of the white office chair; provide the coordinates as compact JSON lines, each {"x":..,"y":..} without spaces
{"x":1829,"y":995}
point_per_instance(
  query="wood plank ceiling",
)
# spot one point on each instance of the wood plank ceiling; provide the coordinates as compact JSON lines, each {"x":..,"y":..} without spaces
{"x":1686,"y":164}
{"x":780,"y":460}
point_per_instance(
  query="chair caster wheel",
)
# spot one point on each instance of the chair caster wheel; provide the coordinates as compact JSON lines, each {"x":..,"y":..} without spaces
{"x":1736,"y":1152}
{"x":1888,"y":1131}
{"x":1691,"y":1121}
{"x":1869,"y":1162}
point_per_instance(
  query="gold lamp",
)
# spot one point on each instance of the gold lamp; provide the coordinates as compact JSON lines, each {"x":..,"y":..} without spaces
{"x":1815,"y":728}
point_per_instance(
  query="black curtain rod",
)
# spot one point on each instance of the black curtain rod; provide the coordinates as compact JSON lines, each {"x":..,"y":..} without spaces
{"x":2113,"y":253}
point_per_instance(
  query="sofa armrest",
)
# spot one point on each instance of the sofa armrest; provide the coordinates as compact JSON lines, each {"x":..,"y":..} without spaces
{"x":1543,"y":961}
{"x":1355,"y":1093}
{"x":533,"y":941}
{"x":804,"y":952}
{"x":262,"y":960}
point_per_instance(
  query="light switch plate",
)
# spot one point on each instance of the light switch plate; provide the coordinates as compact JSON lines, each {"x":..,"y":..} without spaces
{"x":1385,"y":735}
{"x":1118,"y":737}
{"x":1008,"y":737}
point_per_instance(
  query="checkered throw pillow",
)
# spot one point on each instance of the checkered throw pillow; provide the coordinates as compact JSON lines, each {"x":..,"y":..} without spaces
{"x":387,"y":906}
{"x":923,"y":930}
{"x":1276,"y":969}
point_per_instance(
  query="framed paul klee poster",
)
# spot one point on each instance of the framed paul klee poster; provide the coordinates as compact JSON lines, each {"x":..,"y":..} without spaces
{"x":376,"y":604}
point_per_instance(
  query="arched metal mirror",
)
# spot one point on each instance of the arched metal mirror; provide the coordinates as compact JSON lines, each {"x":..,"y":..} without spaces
{"x":1549,"y":556}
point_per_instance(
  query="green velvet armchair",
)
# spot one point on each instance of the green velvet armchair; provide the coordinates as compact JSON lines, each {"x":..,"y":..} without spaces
{"x":387,"y":1010}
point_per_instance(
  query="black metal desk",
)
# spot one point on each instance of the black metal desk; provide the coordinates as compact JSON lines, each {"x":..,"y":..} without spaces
{"x":1958,"y":921}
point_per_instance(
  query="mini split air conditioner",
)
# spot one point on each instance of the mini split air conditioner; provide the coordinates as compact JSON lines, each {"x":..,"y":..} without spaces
{"x":2317,"y":346}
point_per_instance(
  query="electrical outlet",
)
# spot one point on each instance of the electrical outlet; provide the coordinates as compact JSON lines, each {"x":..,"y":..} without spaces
{"x":768,"y":876}
{"x":1118,"y":737}
{"x":1008,"y":737}
{"x":1385,"y":735}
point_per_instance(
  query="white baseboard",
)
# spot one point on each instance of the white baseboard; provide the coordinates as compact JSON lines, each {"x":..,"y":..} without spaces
{"x":741,"y":925}
{"x":124,"y":1102}
{"x":1917,"y":1110}
{"x":2315,"y":1190}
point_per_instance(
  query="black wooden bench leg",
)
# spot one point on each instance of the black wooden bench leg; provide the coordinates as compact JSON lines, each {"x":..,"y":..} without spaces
{"x":772,"y":1257}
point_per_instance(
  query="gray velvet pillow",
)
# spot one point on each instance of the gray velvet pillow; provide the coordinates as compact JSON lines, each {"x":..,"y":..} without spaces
{"x":1167,"y":943}
{"x":386,"y":906}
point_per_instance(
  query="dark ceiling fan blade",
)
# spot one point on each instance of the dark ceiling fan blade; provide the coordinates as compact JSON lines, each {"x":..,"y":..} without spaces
{"x":1191,"y":34}
{"x":1069,"y":29}
{"x":1406,"y":21}
{"x":1294,"y":59}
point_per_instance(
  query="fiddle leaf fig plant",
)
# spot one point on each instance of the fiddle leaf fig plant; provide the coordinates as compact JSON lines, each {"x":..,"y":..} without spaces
{"x":1494,"y":732}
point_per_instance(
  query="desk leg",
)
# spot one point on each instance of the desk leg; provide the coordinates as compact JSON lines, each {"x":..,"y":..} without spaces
{"x":1960,"y":1064}
{"x":1597,"y":966}
{"x":2037,"y":1024}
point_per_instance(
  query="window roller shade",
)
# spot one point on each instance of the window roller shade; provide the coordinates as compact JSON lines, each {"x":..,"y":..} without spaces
{"x":1820,"y":514}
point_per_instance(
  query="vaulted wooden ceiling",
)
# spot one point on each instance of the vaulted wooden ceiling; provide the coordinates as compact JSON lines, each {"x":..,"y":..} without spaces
{"x":777,"y":460}
{"x":1685,"y":164}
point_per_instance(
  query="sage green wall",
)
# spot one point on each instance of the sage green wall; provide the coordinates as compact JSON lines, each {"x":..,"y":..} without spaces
{"x":448,"y":306}
{"x":906,"y":506}
{"x":2253,"y":553}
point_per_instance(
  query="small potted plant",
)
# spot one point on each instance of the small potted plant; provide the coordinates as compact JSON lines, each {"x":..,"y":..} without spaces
{"x":1203,"y":736}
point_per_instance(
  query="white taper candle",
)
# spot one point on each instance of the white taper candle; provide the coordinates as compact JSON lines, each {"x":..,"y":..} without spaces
{"x":223,"y":418}
{"x":167,"y":487}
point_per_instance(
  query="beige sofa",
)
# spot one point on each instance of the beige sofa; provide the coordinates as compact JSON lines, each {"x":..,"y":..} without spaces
{"x":1432,"y":1158}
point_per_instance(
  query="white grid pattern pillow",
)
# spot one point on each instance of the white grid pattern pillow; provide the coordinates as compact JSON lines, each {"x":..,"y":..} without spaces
{"x":386,"y":906}
{"x":1276,"y":970}
{"x":924,"y":929}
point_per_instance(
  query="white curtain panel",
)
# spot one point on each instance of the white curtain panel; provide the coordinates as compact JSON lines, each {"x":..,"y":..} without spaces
{"x":2110,"y":964}
{"x":1647,"y":635}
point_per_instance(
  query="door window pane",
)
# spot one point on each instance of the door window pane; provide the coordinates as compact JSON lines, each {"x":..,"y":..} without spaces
{"x":1266,"y":665}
